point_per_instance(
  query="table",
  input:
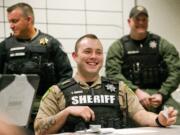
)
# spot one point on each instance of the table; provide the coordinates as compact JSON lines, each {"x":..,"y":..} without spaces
{"x":172,"y":130}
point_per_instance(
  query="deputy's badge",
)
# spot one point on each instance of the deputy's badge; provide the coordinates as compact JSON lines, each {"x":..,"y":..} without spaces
{"x":153,"y":44}
{"x":141,"y":45}
{"x":43,"y":41}
{"x":110,"y":87}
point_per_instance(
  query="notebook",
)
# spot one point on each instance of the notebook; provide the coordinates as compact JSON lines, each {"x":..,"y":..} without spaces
{"x":17,"y":93}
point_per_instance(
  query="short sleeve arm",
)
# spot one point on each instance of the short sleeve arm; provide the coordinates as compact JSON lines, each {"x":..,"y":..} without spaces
{"x":52,"y":102}
{"x":133,"y":102}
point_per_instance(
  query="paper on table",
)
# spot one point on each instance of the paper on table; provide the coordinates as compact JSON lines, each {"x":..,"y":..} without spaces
{"x":102,"y":131}
{"x":132,"y":131}
{"x":165,"y":112}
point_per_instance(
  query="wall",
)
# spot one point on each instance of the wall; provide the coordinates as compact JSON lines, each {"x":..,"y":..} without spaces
{"x":67,"y":20}
{"x":164,"y":18}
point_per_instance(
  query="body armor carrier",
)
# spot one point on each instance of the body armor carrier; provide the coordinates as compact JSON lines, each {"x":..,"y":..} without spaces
{"x":142,"y":63}
{"x":32,"y":57}
{"x":103,"y":101}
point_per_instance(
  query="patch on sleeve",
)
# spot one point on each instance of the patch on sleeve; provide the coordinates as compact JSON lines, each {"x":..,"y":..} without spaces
{"x":47,"y":93}
{"x":125,"y":89}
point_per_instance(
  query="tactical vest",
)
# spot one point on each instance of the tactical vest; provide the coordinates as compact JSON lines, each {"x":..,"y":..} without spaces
{"x":103,"y":101}
{"x":142,"y":63}
{"x":30,"y":57}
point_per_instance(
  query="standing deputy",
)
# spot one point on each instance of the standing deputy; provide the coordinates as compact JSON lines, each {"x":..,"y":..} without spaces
{"x":90,"y":99}
{"x":146,"y":62}
{"x":29,"y":51}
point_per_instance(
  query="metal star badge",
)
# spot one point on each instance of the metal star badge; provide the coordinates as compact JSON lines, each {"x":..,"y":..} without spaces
{"x":141,"y":45}
{"x":43,"y":41}
{"x":110,"y":87}
{"x":140,"y":8}
{"x":153,"y":44}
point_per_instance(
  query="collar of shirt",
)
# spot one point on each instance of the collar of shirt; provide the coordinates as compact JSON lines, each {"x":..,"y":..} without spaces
{"x":96,"y":84}
{"x":37,"y":32}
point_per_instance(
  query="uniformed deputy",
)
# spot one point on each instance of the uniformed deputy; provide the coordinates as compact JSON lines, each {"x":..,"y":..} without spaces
{"x":30,"y":51}
{"x":90,"y":99}
{"x":146,"y":62}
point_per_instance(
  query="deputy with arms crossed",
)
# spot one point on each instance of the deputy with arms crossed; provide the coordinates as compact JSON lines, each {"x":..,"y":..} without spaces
{"x":147,"y":63}
{"x":30,"y":51}
{"x":90,"y":99}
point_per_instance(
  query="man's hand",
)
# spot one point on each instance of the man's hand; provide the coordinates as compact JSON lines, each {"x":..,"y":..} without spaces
{"x":156,"y":100}
{"x":81,"y":111}
{"x":143,"y":97}
{"x":170,"y":119}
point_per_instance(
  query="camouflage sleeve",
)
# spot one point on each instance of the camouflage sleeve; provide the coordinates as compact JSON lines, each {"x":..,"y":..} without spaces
{"x":52,"y":102}
{"x":133,"y":102}
{"x":113,"y":64}
{"x":171,"y":57}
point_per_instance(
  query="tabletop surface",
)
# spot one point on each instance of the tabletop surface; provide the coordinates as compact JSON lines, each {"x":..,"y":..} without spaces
{"x":172,"y":130}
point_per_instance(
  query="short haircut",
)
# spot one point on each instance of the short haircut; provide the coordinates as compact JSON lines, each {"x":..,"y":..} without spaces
{"x":91,"y":36}
{"x":26,"y":8}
